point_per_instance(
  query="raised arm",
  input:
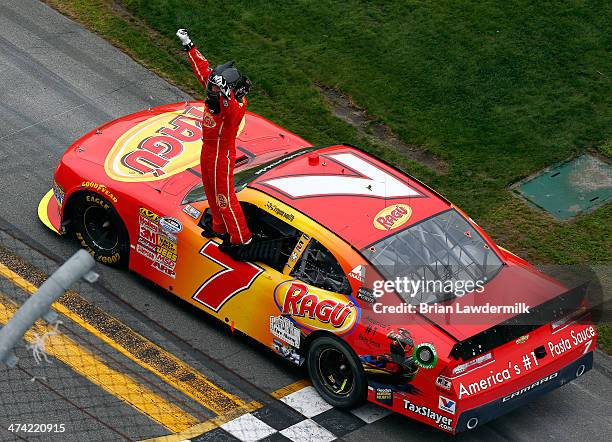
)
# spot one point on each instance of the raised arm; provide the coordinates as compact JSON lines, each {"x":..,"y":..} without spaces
{"x":199,"y":63}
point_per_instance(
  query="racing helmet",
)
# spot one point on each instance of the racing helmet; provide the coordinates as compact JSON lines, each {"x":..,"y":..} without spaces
{"x":401,"y":342}
{"x":225,"y":78}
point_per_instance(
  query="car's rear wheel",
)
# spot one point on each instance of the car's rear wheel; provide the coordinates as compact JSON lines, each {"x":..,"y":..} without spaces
{"x":98,"y":227}
{"x":336,"y":373}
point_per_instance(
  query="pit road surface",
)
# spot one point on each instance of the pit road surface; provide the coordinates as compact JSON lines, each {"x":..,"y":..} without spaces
{"x":59,"y":81}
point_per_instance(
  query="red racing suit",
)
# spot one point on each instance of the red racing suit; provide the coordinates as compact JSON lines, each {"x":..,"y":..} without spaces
{"x":218,"y":158}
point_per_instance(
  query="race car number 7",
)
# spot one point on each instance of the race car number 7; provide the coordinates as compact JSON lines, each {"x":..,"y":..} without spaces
{"x":362,"y":179}
{"x":233,"y":278}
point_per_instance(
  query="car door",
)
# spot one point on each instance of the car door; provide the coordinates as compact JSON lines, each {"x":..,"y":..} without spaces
{"x":238,"y":293}
{"x":318,"y":297}
{"x":275,"y":301}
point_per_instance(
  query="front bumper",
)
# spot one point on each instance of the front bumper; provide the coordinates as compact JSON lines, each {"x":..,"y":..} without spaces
{"x":470,"y":419}
{"x":49,"y":212}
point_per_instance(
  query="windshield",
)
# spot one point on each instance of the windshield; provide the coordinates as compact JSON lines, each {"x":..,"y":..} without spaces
{"x":244,"y":177}
{"x":435,"y":260}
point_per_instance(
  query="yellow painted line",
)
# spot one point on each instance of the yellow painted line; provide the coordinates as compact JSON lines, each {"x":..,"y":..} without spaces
{"x":93,"y":369}
{"x":291,"y":388}
{"x":211,"y":424}
{"x":147,"y":354}
{"x":207,"y":426}
{"x":43,"y":215}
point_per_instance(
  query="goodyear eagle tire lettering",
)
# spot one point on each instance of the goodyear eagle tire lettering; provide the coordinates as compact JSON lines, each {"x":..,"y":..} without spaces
{"x":99,"y":229}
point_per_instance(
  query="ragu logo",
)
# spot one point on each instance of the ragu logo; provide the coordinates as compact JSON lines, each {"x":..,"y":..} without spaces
{"x":313,"y":311}
{"x":392,"y":217}
{"x":159,"y":147}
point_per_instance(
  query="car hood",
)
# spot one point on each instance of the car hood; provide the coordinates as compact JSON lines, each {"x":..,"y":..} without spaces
{"x":160,"y":148}
{"x":117,"y":143}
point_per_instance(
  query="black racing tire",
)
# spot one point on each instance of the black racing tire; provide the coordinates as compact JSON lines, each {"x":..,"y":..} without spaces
{"x":100,"y":230}
{"x":336,"y":373}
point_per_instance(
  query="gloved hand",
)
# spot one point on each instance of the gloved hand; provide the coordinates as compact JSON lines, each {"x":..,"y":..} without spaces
{"x":184,"y":37}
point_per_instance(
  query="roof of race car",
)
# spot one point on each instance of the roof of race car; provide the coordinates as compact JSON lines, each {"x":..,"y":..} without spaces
{"x":355,"y":195}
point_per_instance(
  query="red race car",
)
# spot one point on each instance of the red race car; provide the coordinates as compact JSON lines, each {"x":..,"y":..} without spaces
{"x":386,"y":290}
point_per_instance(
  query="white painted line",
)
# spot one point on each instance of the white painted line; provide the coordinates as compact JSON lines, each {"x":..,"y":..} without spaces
{"x":248,"y":428}
{"x":308,"y":431}
{"x":307,"y":402}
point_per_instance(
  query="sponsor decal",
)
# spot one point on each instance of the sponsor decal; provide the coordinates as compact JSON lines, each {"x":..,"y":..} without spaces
{"x":101,"y":188}
{"x":165,"y":261}
{"x":285,"y":330}
{"x":162,"y":268}
{"x":272,"y":207}
{"x":299,"y":247}
{"x":147,"y":236}
{"x":208,"y":120}
{"x":484,"y":384}
{"x":443,"y":422}
{"x":286,"y":351}
{"x":369,"y":330}
{"x":170,"y":225}
{"x":148,"y":214}
{"x":446,"y":404}
{"x":522,"y":339}
{"x":444,"y":383}
{"x":527,"y":362}
{"x":147,"y":253}
{"x":425,"y":355}
{"x":577,"y":338}
{"x":155,"y":243}
{"x":530,"y":387}
{"x":311,"y":311}
{"x":166,"y":247}
{"x":280,"y":161}
{"x":59,"y":194}
{"x":392,"y":217}
{"x":192,"y":211}
{"x":151,"y":225}
{"x":358,"y":273}
{"x":221,"y":200}
{"x":297,"y":252}
{"x":158,"y":147}
{"x":370,"y":340}
{"x":365,"y":295}
{"x":384,"y":396}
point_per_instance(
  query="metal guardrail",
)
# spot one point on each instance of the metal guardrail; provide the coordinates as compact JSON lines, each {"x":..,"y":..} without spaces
{"x":78,"y":266}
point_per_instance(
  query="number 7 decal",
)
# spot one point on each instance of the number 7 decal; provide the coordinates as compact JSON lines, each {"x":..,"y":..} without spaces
{"x":361,"y":179}
{"x":233,"y":278}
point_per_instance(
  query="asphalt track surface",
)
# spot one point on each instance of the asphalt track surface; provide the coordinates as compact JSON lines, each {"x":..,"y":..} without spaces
{"x":59,"y":81}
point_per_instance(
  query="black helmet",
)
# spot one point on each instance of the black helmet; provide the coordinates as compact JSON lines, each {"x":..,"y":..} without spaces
{"x":227,"y":78}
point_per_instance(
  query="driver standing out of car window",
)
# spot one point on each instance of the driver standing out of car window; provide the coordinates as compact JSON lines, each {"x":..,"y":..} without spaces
{"x":225,"y":106}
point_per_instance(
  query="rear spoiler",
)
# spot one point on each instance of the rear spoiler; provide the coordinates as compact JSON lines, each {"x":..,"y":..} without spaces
{"x":520,"y":325}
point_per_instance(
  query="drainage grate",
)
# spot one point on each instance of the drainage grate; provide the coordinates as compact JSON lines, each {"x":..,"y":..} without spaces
{"x":570,"y":188}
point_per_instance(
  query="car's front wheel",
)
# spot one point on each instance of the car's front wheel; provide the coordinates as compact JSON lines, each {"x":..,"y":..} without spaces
{"x":98,"y":227}
{"x":336,"y":373}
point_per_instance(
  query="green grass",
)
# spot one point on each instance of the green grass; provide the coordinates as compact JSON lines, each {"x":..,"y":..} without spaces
{"x":497,"y":89}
